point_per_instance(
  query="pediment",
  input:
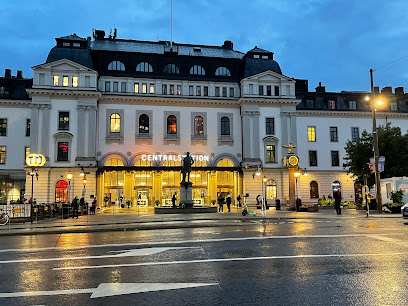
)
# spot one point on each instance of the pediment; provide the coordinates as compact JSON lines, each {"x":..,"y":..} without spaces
{"x":63,"y":135}
{"x":63,"y":65}
{"x":271,"y":138}
{"x":269,"y":76}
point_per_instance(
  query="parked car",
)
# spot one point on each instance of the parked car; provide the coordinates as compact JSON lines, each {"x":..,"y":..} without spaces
{"x":404,"y":210}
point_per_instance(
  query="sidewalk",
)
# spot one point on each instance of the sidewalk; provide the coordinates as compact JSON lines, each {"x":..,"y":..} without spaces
{"x":124,"y":219}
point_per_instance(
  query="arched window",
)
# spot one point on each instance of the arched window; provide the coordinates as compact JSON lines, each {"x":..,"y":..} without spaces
{"x":336,"y":185}
{"x":197,"y":69}
{"x":225,"y":162}
{"x":225,"y":126}
{"x":144,"y":67}
{"x":61,"y":192}
{"x":198,"y":126}
{"x":114,"y":162}
{"x":144,"y":124}
{"x":116,"y":65}
{"x":314,"y":190}
{"x":171,"y":68}
{"x":222,"y":71}
{"x":115,"y":123}
{"x":171,"y":124}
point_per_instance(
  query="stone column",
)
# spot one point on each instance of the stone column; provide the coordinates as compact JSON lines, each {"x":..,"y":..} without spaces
{"x":250,"y":134}
{"x":293,"y":132}
{"x":34,"y":128}
{"x":91,"y":152}
{"x":128,"y":186}
{"x":157,"y":187}
{"x":45,"y":130}
{"x":81,"y":131}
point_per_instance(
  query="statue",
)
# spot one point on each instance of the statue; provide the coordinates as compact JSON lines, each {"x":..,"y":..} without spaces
{"x":289,"y":147}
{"x":187,"y":162}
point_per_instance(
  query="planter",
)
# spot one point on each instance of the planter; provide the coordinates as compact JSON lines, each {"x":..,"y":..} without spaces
{"x":394,"y":209}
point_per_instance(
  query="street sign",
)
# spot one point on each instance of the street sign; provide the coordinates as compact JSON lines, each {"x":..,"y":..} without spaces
{"x":35,"y":160}
{"x":381,"y":164}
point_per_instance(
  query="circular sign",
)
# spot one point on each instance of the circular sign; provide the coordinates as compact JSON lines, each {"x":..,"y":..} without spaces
{"x":293,"y":160}
{"x":35,"y":160}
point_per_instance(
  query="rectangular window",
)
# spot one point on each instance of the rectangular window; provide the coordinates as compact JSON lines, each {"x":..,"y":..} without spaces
{"x":28,"y":127}
{"x":115,"y":87}
{"x":27,"y":152}
{"x":164,"y":89}
{"x":288,"y":90}
{"x":63,"y":121}
{"x":2,"y":155}
{"x":309,"y":104}
{"x":191,"y":90}
{"x":333,"y":134}
{"x":311,"y":133}
{"x":206,"y":91}
{"x":62,"y":154}
{"x":151,"y":90}
{"x":352,"y":105}
{"x":270,"y":126}
{"x":335,"y":158}
{"x":144,"y":88}
{"x":270,"y":154}
{"x":136,"y":87}
{"x":3,"y":127}
{"x":198,"y":90}
{"x":269,"y":90}
{"x":179,"y":90}
{"x":224,"y":91}
{"x":65,"y":44}
{"x":355,"y":134}
{"x":217,"y":91}
{"x":251,"y":89}
{"x":231,"y":92}
{"x":41,"y":78}
{"x":276,"y":90}
{"x":172,"y":89}
{"x":75,"y":81}
{"x":55,"y":80}
{"x":65,"y":81}
{"x":76,"y":44}
{"x":107,"y":86}
{"x":261,"y":91}
{"x":394,"y":106}
{"x":332,"y":104}
{"x":313,"y":158}
{"x":123,"y":87}
{"x":87,"y":81}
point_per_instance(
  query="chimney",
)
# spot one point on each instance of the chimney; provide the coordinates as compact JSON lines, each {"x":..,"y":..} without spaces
{"x":7,"y":73}
{"x":399,"y":90}
{"x":228,"y":45}
{"x":320,"y":88}
{"x":99,"y":34}
{"x":19,"y":74}
{"x":376,"y":89}
{"x":387,"y":90}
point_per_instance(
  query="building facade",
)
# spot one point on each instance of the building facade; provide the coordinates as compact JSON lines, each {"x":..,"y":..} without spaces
{"x":123,"y":113}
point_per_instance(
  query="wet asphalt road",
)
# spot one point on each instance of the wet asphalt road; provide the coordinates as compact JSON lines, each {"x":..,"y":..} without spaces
{"x":353,"y":261}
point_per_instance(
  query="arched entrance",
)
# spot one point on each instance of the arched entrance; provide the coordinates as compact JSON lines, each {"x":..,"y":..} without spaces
{"x":314,"y":190}
{"x":225,"y":179}
{"x":61,"y":189}
{"x":114,"y":182}
{"x":142,"y":183}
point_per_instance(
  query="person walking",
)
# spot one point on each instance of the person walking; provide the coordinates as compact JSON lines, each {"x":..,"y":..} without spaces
{"x":220,"y":203}
{"x":94,"y":204}
{"x":239,"y":201}
{"x":337,"y":201}
{"x":75,"y":206}
{"x":229,"y":201}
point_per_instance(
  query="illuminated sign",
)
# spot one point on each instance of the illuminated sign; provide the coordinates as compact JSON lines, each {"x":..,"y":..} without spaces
{"x":35,"y":160}
{"x":164,"y":157}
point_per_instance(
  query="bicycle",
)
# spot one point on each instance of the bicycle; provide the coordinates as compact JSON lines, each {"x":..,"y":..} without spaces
{"x":4,"y":217}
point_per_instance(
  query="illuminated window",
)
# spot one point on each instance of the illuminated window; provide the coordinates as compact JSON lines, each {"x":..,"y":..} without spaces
{"x":314,"y":190}
{"x":271,"y":190}
{"x":65,"y":81}
{"x":198,"y":126}
{"x":172,"y":89}
{"x":27,"y":152}
{"x":197,"y":69}
{"x":61,"y":189}
{"x":3,"y":127}
{"x":311,"y":133}
{"x":62,"y":154}
{"x":171,"y":69}
{"x":136,"y":87}
{"x":115,"y":123}
{"x":2,"y":155}
{"x":144,"y":88}
{"x":114,"y":162}
{"x":144,"y":67}
{"x":144,"y":124}
{"x":151,"y":90}
{"x":116,"y":65}
{"x":55,"y":80}
{"x":75,"y":81}
{"x":171,"y":124}
{"x":225,"y":126}
{"x":178,"y":90}
{"x":63,"y":121}
{"x":270,"y":154}
{"x":222,"y":71}
{"x":332,"y":104}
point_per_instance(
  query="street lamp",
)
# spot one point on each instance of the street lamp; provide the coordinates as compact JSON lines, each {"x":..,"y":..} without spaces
{"x":33,"y":172}
{"x":296,"y":174}
{"x":69,"y":177}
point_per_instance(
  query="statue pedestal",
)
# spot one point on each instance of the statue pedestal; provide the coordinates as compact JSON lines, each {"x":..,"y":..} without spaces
{"x":186,"y":195}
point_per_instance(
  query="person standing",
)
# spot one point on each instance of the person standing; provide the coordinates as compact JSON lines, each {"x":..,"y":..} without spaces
{"x":229,"y":201}
{"x":173,"y":200}
{"x":75,"y":206}
{"x":220,"y":203}
{"x":337,"y":201}
{"x":239,"y":201}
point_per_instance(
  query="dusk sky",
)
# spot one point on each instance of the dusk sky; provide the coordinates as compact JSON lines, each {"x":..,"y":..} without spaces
{"x":335,"y":42}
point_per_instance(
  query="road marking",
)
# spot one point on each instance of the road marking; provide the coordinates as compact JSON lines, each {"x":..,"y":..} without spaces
{"x":123,"y":253}
{"x":392,"y":240}
{"x":198,"y":241}
{"x":159,"y":263}
{"x":111,"y":289}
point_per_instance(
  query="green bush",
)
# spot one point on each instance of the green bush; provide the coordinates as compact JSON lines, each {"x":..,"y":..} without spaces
{"x":389,"y":205}
{"x":396,"y":196}
{"x":325,"y":202}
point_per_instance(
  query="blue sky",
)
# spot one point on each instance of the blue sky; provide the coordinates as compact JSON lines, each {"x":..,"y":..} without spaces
{"x":335,"y":42}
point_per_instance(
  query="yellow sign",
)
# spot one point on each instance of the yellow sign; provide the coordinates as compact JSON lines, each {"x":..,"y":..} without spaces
{"x":35,"y":160}
{"x":35,"y":209}
{"x":293,"y":160}
{"x":16,"y":211}
{"x":45,"y":208}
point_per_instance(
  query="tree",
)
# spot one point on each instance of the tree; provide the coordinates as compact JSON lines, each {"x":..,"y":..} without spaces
{"x":392,"y":145}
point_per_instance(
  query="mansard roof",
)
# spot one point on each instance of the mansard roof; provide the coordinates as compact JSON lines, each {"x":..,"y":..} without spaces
{"x":78,"y":55}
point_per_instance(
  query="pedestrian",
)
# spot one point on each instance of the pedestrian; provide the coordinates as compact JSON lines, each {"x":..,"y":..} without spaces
{"x":258,"y":201}
{"x":337,"y":201}
{"x":229,"y":201}
{"x":94,"y":204}
{"x":239,"y":201}
{"x":75,"y":206}
{"x":220,"y":203}
{"x":173,"y":200}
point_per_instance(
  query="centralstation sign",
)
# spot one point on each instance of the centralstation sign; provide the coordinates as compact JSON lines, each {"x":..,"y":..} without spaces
{"x":173,"y":157}
{"x":35,"y":160}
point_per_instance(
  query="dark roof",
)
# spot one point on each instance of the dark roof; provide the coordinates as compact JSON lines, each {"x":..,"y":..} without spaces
{"x":77,"y":55}
{"x":72,"y":37}
{"x":259,"y":50}
{"x":161,"y":47}
{"x":255,"y":65}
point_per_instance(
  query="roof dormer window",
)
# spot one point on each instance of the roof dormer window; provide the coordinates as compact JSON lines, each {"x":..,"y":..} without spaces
{"x":197,"y":69}
{"x":76,"y":45}
{"x":66,"y":44}
{"x":116,"y":65}
{"x":171,"y":68}
{"x":222,"y":71}
{"x":264,"y":57}
{"x":256,"y":56}
{"x":144,"y":67}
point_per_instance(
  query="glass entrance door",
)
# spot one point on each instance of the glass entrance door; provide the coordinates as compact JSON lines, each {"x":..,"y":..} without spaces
{"x":142,"y":196}
{"x":199,"y":196}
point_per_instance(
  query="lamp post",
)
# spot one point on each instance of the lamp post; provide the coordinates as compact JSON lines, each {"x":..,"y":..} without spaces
{"x":375,"y":145}
{"x":33,"y":172}
{"x":296,"y":174}
{"x":69,"y":177}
